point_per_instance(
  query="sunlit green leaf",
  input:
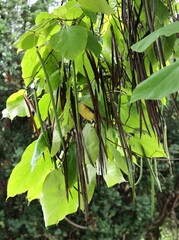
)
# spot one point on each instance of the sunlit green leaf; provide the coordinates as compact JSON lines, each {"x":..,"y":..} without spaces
{"x":43,"y":166}
{"x":53,"y":199}
{"x":60,"y":11}
{"x":73,"y":10}
{"x":44,"y":104}
{"x":16,"y":106}
{"x":30,"y":64}
{"x":113,"y":174}
{"x":44,"y":15}
{"x":147,"y":146}
{"x":100,"y":6}
{"x":158,"y":85}
{"x":56,"y":140}
{"x":40,"y":147}
{"x":70,"y":41}
{"x":27,"y":41}
{"x":22,"y":179}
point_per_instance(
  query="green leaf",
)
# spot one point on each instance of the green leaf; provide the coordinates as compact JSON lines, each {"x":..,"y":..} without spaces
{"x":118,"y":159}
{"x":43,"y":16}
{"x":113,"y":174}
{"x":16,"y":106}
{"x":71,"y":164}
{"x":147,"y":146}
{"x":100,"y":6}
{"x":66,"y":115}
{"x":44,"y":104}
{"x":30,"y":64}
{"x":93,"y":45}
{"x":81,"y":60}
{"x":73,"y":10}
{"x":27,"y":41}
{"x":55,"y":206}
{"x":56,"y":142}
{"x":91,"y":171}
{"x":22,"y":179}
{"x":158,"y":85}
{"x":167,"y":31}
{"x":40,"y":147}
{"x":91,"y":142}
{"x":70,"y":41}
{"x":92,"y":181}
{"x":43,"y":166}
{"x":176,"y":49}
{"x":91,"y":15}
{"x":55,"y":80}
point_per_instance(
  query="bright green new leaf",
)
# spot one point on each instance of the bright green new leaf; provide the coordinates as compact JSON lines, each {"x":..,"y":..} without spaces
{"x":60,"y":11}
{"x":53,"y":199}
{"x":40,"y":147}
{"x":22,"y":179}
{"x":100,"y":6}
{"x":73,"y":10}
{"x":146,"y":146}
{"x":70,"y":41}
{"x":44,"y":104}
{"x":43,"y":167}
{"x":158,"y":85}
{"x":113,"y":174}
{"x":56,"y":142}
{"x":167,"y":31}
{"x":16,"y":106}
{"x":30,"y":65}
{"x":27,"y":41}
{"x":91,"y":142}
{"x":43,"y":16}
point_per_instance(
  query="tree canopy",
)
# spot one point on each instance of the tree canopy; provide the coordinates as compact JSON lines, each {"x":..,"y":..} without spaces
{"x":97,"y":75}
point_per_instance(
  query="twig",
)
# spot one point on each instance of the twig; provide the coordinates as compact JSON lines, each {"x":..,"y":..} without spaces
{"x":75,"y":224}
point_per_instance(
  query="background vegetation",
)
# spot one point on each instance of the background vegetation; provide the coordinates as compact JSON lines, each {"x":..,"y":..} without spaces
{"x":112,"y":213}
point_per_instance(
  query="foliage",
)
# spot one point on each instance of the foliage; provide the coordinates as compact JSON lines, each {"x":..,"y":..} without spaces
{"x":77,"y":59}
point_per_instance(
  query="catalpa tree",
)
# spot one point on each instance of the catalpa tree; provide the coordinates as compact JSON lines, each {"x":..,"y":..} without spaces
{"x":96,"y":76}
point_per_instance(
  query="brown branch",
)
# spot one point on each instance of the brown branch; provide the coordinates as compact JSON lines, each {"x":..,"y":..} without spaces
{"x":75,"y":224}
